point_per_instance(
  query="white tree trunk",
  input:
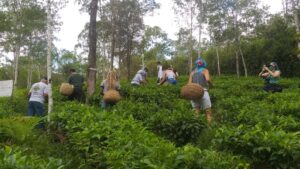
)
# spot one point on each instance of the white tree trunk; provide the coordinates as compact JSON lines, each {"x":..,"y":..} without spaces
{"x":218,"y":61}
{"x":200,"y":27}
{"x":49,"y":65}
{"x":16,"y":59}
{"x":296,"y":18}
{"x":237,"y":64}
{"x":191,"y":35}
{"x":29,"y":78}
{"x":243,"y":60}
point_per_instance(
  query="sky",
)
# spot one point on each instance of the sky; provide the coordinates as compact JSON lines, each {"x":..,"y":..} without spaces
{"x":74,"y":21}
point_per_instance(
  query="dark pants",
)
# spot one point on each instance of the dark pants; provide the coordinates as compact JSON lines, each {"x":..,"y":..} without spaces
{"x":272,"y":88}
{"x":35,"y":109}
{"x":77,"y":94}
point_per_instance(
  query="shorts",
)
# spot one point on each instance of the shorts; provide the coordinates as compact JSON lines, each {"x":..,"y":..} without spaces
{"x":172,"y":81}
{"x":202,"y":103}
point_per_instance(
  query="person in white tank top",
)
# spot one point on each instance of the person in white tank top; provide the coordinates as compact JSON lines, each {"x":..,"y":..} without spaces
{"x":169,"y":76}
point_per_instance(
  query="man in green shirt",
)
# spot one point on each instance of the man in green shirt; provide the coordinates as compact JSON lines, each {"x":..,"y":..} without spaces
{"x":76,"y":80}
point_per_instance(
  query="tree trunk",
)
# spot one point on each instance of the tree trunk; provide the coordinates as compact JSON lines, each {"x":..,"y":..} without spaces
{"x":29,"y":78}
{"x":296,"y":18}
{"x":191,"y":38}
{"x":200,"y":26}
{"x":128,"y":54}
{"x":91,"y":72}
{"x":243,"y":60}
{"x":218,"y":61}
{"x":16,"y":59}
{"x":113,"y":42}
{"x":49,"y":64}
{"x":237,"y":64}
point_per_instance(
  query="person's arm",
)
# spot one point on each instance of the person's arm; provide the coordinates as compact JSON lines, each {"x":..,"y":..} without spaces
{"x":207,"y":77}
{"x":46,"y":91}
{"x":29,"y":94}
{"x":274,"y":74}
{"x":262,"y":71}
{"x":191,"y":77}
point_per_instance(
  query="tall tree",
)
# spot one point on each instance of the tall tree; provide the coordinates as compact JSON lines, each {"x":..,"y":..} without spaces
{"x":22,"y":17}
{"x":188,"y":9}
{"x":295,"y":9}
{"x":91,"y":72}
{"x":49,"y":60}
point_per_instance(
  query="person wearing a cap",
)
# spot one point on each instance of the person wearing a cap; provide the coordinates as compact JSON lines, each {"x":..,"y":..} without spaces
{"x":271,"y":74}
{"x":38,"y":92}
{"x":200,"y":75}
{"x":140,"y":77}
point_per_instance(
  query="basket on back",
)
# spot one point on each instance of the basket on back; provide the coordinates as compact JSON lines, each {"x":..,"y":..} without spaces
{"x":66,"y":89}
{"x":112,"y":95}
{"x":192,"y":91}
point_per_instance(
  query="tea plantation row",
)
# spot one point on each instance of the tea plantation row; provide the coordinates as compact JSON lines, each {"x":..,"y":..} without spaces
{"x":152,"y":127}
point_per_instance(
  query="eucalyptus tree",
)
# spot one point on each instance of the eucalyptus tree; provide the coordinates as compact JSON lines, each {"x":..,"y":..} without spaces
{"x":295,"y":9}
{"x":20,"y":18}
{"x":130,"y":26}
{"x":155,"y":44}
{"x":52,"y":8}
{"x":232,"y":21}
{"x":187,"y":10}
{"x":91,"y":6}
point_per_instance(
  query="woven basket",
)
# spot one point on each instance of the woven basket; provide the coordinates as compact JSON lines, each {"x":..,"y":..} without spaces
{"x":112,"y":96}
{"x":192,"y":91}
{"x":66,"y":89}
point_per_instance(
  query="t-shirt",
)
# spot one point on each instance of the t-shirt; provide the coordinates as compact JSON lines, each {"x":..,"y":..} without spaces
{"x":137,"y":79}
{"x":105,"y":86}
{"x":37,"y":92}
{"x":76,"y":80}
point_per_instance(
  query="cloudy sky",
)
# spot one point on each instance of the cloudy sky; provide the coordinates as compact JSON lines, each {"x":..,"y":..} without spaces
{"x":74,"y":21}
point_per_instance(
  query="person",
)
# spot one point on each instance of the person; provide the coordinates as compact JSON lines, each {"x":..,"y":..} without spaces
{"x":37,"y":94}
{"x":169,"y":76}
{"x":160,"y":72}
{"x":200,"y":75}
{"x":76,"y":80}
{"x":140,"y":77}
{"x":271,"y":75}
{"x":111,"y":82}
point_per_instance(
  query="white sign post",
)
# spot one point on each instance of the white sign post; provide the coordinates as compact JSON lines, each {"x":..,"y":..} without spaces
{"x":6,"y":88}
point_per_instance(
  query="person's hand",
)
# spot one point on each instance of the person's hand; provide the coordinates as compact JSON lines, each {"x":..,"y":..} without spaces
{"x":265,"y":68}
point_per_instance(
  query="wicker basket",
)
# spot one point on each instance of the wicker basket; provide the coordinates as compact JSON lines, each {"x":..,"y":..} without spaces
{"x":112,"y":96}
{"x":66,"y":89}
{"x":192,"y":91}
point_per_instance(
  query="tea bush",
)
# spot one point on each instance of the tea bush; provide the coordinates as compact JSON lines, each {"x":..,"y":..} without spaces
{"x":110,"y":140}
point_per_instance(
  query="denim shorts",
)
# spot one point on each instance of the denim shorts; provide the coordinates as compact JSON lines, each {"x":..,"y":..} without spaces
{"x":172,"y":81}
